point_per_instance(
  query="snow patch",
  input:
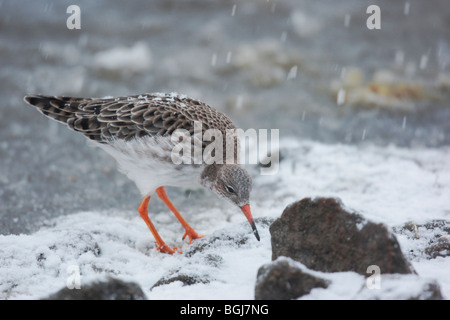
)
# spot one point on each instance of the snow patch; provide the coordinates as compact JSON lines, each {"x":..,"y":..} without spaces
{"x":389,"y":185}
{"x":135,"y":59}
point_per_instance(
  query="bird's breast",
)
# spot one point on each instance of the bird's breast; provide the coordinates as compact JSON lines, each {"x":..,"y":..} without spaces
{"x":152,"y":162}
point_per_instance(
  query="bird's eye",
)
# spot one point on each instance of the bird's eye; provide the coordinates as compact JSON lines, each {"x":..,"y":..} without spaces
{"x":229,"y":189}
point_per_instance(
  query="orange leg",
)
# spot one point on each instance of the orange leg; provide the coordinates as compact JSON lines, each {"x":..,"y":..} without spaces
{"x":161,"y":192}
{"x":161,"y":246}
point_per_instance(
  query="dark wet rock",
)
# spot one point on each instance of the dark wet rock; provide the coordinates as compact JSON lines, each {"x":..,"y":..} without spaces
{"x":284,"y":280}
{"x":75,"y":243}
{"x":323,"y":236}
{"x":112,"y":289}
{"x":189,"y":273}
{"x":431,"y":239}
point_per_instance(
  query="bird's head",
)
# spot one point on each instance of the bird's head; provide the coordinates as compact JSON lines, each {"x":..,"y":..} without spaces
{"x":233,"y":183}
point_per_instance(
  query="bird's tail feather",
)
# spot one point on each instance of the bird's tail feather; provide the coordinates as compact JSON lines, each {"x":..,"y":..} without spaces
{"x":70,"y":111}
{"x":58,"y":108}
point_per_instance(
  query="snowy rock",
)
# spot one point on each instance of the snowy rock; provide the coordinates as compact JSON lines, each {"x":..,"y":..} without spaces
{"x":427,"y":240}
{"x":323,"y":236}
{"x":185,"y":279}
{"x":241,"y":238}
{"x":111,"y":289}
{"x":440,"y":249}
{"x":288,"y":279}
{"x":283,"y":279}
{"x":402,"y":287}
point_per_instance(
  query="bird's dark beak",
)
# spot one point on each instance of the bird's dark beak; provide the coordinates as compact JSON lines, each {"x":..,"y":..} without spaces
{"x":248,"y":214}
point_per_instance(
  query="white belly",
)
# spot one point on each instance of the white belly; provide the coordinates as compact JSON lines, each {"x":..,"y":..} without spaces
{"x":149,"y":164}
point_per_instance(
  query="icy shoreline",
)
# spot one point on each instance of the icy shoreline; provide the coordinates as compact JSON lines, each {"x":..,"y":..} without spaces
{"x":390,"y":185}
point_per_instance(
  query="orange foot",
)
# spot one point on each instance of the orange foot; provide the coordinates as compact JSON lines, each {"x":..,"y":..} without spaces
{"x":192,"y":235}
{"x":166,"y":249}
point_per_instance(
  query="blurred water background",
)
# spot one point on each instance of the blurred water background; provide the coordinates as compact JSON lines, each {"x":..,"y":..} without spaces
{"x":309,"y":68}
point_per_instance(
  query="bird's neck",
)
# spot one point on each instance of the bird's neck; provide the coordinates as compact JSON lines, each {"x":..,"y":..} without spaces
{"x":209,"y":175}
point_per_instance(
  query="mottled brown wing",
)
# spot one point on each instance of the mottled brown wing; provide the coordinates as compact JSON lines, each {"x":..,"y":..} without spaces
{"x":130,"y":117}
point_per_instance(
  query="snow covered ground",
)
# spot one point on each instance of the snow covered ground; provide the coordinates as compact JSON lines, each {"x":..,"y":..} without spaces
{"x":385,"y":184}
{"x":310,"y":68}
